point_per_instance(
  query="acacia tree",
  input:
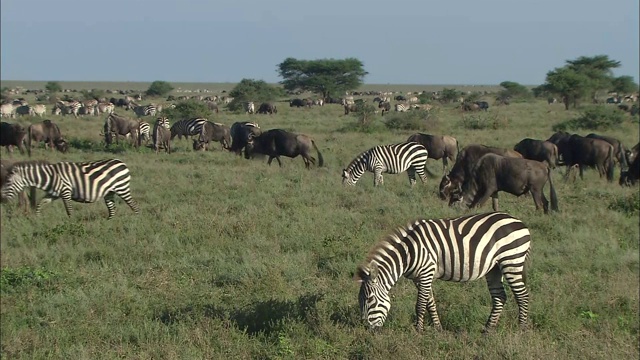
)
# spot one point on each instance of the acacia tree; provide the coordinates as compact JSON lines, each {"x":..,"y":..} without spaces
{"x":159,"y":88}
{"x":624,"y":85}
{"x":325,"y":76}
{"x":53,"y":87}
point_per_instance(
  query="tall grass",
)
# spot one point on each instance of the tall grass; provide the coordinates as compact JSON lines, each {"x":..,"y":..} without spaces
{"x":232,"y":258}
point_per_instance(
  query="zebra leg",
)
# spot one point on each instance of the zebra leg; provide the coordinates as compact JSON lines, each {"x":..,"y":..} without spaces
{"x":66,"y":199}
{"x":111,"y":205}
{"x":377,"y":178}
{"x":516,"y":280}
{"x":125,"y":194}
{"x":498,"y":296}
{"x":426,"y":301}
{"x":411,"y":172}
{"x":45,"y":200}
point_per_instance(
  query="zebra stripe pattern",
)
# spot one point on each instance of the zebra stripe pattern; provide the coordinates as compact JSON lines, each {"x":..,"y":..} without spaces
{"x":187,"y":127}
{"x":391,"y":159}
{"x":492,"y":245}
{"x":145,"y":110}
{"x":81,"y":182}
{"x":402,"y":107}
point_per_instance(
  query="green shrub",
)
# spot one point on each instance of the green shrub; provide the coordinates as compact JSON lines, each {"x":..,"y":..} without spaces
{"x":257,"y":91}
{"x":11,"y":279}
{"x":187,"y":110}
{"x":483,"y":121}
{"x":593,"y":118}
{"x":628,"y":205}
{"x":412,"y":120}
{"x":159,"y":88}
{"x":53,"y":87}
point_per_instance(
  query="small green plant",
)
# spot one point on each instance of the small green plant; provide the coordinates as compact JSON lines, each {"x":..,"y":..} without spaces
{"x":593,"y":118}
{"x":12,"y":279}
{"x":628,"y":205}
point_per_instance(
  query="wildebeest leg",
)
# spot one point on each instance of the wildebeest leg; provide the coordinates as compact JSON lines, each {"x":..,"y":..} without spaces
{"x":494,"y":201}
{"x":270,"y":160}
{"x":445,"y":164}
{"x":582,"y":172}
{"x":539,"y":200}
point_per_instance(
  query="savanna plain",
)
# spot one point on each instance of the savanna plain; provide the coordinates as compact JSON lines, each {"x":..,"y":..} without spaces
{"x":232,"y":258}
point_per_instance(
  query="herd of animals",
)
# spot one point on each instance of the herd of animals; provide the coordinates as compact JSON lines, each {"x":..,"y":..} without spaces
{"x":492,"y":245}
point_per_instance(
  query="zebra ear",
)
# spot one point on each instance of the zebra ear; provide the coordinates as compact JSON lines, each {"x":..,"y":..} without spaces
{"x":366,"y":273}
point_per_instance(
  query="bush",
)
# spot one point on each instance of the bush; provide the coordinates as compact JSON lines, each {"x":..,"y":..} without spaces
{"x":93,"y":94}
{"x":412,"y":120}
{"x":159,"y":88}
{"x":257,"y":91}
{"x":484,"y":121}
{"x":449,"y":95}
{"x":365,"y":113}
{"x":593,"y":118}
{"x":187,"y":110}
{"x":628,"y":205}
{"x":53,"y":87}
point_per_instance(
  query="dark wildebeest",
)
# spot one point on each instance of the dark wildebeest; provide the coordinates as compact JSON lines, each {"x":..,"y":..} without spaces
{"x":213,"y":106}
{"x":483,"y":105}
{"x":116,"y":125}
{"x":539,"y":150}
{"x":276,"y":142}
{"x":619,"y":152}
{"x":23,"y":201}
{"x":212,"y":132}
{"x":439,"y":147}
{"x":267,"y":108}
{"x":12,"y":135}
{"x":578,"y":151}
{"x":385,"y":106}
{"x":297,"y":103}
{"x":630,"y":176}
{"x":463,"y":167}
{"x":49,"y":133}
{"x":350,"y":108}
{"x":467,"y":106}
{"x":632,"y":153}
{"x":161,"y":136}
{"x":493,"y":173}
{"x":400,"y":98}
{"x":240,"y":132}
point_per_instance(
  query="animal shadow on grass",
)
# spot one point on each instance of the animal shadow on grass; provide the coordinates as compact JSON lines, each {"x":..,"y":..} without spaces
{"x":265,"y":317}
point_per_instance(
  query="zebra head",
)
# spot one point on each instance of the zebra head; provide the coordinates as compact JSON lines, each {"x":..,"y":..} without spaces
{"x":374,"y":298}
{"x":347,"y":178}
{"x":14,"y":184}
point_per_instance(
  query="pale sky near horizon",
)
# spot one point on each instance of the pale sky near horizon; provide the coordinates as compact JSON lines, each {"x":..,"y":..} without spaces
{"x":399,"y":42}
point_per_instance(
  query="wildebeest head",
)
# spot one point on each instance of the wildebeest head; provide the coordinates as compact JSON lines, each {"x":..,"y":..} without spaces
{"x":61,"y":145}
{"x":446,"y":187}
{"x":199,"y":145}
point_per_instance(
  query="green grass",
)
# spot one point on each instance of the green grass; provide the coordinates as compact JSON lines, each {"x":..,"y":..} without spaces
{"x":233,"y":258}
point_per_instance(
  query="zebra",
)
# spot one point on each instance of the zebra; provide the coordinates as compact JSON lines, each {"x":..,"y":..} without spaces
{"x":491,"y":245}
{"x":249,"y":107}
{"x":140,"y":111}
{"x":391,"y":159}
{"x":81,"y":182}
{"x":402,"y":107}
{"x":187,"y":127}
{"x":67,"y":107}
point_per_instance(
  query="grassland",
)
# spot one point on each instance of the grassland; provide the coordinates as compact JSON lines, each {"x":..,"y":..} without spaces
{"x":231,"y":258}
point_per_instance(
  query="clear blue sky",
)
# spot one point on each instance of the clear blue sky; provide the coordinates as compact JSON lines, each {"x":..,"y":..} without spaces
{"x":399,"y":42}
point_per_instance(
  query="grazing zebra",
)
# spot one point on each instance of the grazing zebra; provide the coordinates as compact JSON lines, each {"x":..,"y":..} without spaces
{"x":81,"y":182}
{"x":103,"y":108}
{"x":187,"y":127}
{"x":67,"y":107}
{"x":7,"y":110}
{"x":39,"y":110}
{"x":402,"y":107}
{"x":492,"y":245}
{"x":249,"y":107}
{"x":391,"y":159}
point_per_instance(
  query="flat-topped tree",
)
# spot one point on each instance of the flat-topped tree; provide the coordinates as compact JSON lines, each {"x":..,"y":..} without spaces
{"x":328,"y":77}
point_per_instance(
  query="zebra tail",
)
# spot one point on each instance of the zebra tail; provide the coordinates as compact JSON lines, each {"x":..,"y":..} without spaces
{"x":610,"y":165}
{"x":320,"y":158}
{"x":552,"y":192}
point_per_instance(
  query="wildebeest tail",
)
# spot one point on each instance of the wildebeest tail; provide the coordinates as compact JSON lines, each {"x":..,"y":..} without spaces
{"x":624,"y":164}
{"x":552,"y":192}
{"x":609,"y":164}
{"x":29,"y":130}
{"x":320,"y":158}
{"x":107,"y":131}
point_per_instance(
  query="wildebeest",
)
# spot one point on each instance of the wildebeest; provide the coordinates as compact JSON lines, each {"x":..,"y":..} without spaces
{"x":12,"y":135}
{"x":350,"y":108}
{"x":483,"y":105}
{"x":493,"y":173}
{"x":297,"y":103}
{"x":276,"y":142}
{"x":467,"y":106}
{"x":240,"y":132}
{"x":439,"y":147}
{"x":48,"y":132}
{"x":212,"y":132}
{"x":632,"y":153}
{"x":385,"y":106}
{"x":267,"y":108}
{"x":539,"y":150}
{"x":630,"y":176}
{"x":120,"y":126}
{"x":161,"y":135}
{"x":579,"y":151}
{"x":619,"y":152}
{"x":463,"y":167}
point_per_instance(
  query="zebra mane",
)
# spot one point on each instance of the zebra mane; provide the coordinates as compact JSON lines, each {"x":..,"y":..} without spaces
{"x":18,"y":164}
{"x":357,"y":159}
{"x":394,"y":237}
